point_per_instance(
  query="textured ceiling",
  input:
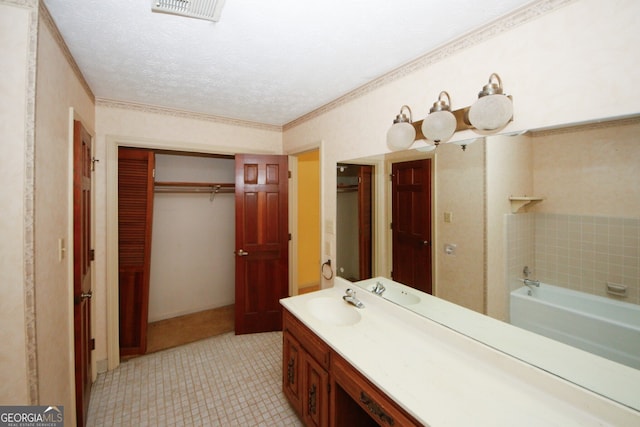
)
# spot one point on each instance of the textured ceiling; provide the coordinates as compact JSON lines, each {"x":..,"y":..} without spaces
{"x":265,"y":61}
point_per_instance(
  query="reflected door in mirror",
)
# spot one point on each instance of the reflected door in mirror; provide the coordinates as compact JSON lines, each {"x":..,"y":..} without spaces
{"x":411,"y":223}
{"x":354,"y":249}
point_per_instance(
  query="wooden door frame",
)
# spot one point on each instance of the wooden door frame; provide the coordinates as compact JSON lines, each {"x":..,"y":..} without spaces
{"x":111,"y":239}
{"x":293,"y":213}
{"x":66,"y":251}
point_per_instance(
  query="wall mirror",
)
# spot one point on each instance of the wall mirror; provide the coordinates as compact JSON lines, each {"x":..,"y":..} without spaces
{"x":547,"y":199}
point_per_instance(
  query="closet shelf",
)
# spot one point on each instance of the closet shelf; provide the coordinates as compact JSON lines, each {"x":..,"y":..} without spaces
{"x":517,"y":202}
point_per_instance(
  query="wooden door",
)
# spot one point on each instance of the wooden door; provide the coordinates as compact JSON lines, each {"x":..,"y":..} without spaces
{"x":135,"y":214}
{"x":262,"y":242}
{"x":364,"y":221}
{"x":411,"y":223}
{"x":82,"y":257}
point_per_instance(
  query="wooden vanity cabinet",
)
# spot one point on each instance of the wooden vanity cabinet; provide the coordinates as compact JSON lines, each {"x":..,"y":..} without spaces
{"x":305,"y":367}
{"x":355,"y":401}
{"x":325,"y":390}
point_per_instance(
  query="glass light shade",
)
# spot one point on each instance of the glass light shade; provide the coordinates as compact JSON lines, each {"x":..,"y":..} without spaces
{"x":491,"y":113}
{"x":425,"y":148}
{"x":400,"y":136}
{"x":439,"y":126}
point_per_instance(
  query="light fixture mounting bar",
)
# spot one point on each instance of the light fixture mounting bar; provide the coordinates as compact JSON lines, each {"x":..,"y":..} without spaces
{"x":462,"y":121}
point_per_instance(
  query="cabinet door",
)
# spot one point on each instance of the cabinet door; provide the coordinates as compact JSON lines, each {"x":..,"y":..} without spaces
{"x":291,"y":370}
{"x":135,"y":212}
{"x":315,"y":405}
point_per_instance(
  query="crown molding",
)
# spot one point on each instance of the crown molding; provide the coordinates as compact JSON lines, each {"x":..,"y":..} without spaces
{"x":146,"y":108}
{"x":51,"y":25}
{"x":27,"y":4}
{"x":503,"y":24}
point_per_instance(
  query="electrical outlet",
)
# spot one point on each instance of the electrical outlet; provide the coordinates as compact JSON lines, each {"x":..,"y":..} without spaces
{"x":448,"y":217}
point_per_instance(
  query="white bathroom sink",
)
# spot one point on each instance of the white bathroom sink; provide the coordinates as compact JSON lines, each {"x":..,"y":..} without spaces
{"x":401,"y":297}
{"x":334,"y":311}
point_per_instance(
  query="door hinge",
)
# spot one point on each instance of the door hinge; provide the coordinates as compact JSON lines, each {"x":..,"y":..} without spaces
{"x":391,"y":226}
{"x":92,"y":254}
{"x":289,"y":236}
{"x":289,"y":174}
{"x":92,"y":344}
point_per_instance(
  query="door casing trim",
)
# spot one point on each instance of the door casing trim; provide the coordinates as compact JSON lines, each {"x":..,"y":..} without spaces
{"x":112,"y":142}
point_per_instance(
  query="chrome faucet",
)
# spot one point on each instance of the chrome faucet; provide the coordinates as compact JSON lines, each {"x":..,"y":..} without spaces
{"x":350,"y":297}
{"x":530,"y":282}
{"x":378,"y":289}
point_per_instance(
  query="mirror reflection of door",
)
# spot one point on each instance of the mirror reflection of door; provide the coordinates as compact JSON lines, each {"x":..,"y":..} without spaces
{"x":411,"y":223}
{"x":354,"y":230}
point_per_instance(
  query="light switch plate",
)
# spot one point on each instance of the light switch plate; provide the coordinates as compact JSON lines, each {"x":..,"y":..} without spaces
{"x":61,"y":249}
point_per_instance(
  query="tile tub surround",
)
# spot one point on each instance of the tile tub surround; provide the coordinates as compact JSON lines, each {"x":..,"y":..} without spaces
{"x":578,"y":252}
{"x":433,"y":371}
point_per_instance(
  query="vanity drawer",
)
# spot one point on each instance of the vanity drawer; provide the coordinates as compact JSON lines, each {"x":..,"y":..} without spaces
{"x":313,"y":345}
{"x":373,"y":401}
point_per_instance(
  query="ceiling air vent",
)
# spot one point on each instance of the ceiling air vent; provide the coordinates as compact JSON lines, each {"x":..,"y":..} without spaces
{"x":201,"y":9}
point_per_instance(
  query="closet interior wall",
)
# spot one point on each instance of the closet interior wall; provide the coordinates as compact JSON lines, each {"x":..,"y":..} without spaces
{"x":193,"y":238}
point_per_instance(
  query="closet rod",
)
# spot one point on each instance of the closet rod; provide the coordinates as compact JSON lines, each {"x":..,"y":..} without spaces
{"x":347,"y":188}
{"x":194,"y":187}
{"x":196,"y":184}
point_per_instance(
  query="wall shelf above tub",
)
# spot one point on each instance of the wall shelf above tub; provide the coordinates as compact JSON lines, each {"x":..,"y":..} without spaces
{"x":517,"y":202}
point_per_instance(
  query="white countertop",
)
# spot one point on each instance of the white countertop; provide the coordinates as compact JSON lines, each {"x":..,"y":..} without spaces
{"x":446,"y":379}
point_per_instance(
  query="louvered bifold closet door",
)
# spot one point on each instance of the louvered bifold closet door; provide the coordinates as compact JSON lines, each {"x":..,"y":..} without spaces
{"x":135,"y":213}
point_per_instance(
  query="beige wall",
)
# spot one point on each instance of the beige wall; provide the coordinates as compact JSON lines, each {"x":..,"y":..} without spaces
{"x":193,"y":238}
{"x":550,"y":65}
{"x":14,"y":57}
{"x":459,"y":190}
{"x":58,"y":90}
{"x":588,"y":172}
{"x":509,"y":161}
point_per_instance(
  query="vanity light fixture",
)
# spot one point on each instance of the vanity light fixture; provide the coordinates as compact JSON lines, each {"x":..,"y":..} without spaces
{"x":493,"y":109}
{"x":440,"y":124}
{"x":489,"y":114}
{"x":402,"y":134}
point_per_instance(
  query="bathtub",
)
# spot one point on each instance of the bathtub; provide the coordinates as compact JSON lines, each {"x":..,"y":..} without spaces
{"x":596,"y":324}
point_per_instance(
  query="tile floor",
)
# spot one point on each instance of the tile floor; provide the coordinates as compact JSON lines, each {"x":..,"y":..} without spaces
{"x":226,"y":380}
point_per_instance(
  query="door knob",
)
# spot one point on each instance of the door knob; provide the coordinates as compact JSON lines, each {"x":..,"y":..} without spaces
{"x":86,"y":295}
{"x":425,"y":243}
{"x":240,"y":252}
